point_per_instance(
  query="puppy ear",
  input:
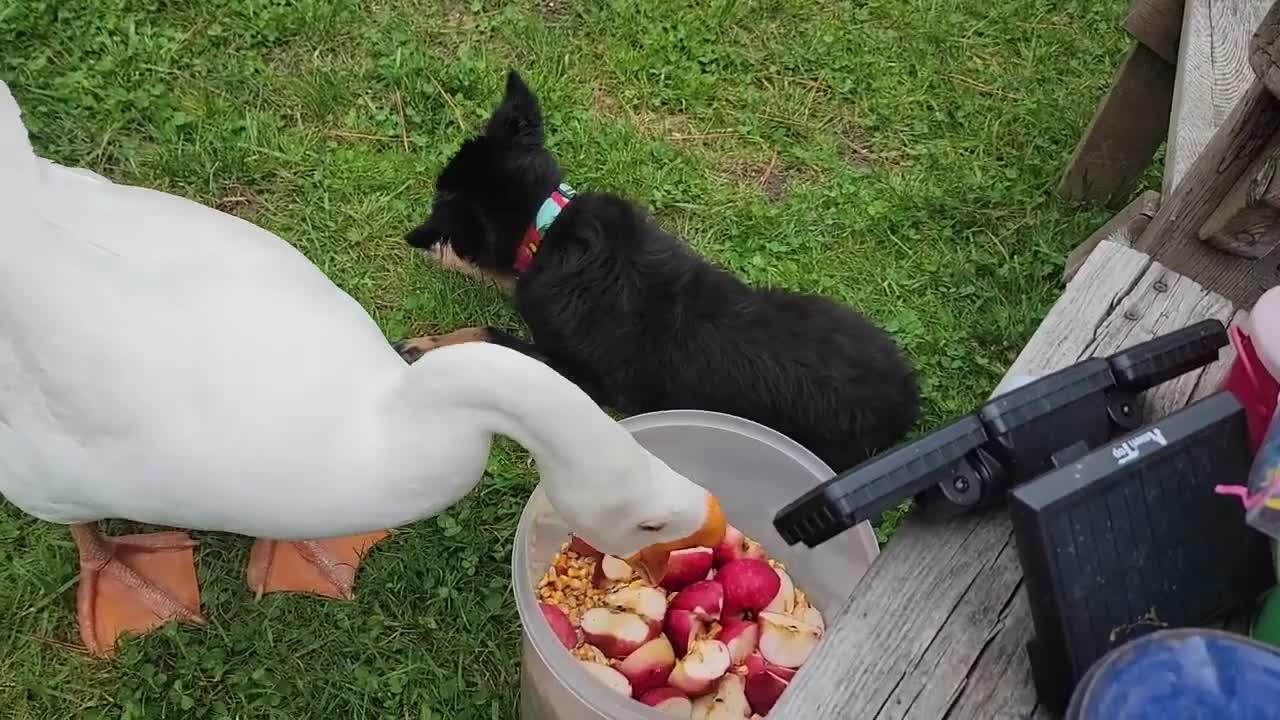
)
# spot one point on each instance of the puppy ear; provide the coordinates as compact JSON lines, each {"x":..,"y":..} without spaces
{"x":518,"y":119}
{"x":425,"y":236}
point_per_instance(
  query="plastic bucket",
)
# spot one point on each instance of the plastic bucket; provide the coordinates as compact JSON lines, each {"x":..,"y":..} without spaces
{"x":754,"y":471}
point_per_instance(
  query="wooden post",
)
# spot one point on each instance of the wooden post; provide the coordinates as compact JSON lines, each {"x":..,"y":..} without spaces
{"x":1127,"y":128}
{"x":1173,"y":235}
{"x":1213,"y":74}
{"x":1247,"y":223}
{"x":1158,"y":25}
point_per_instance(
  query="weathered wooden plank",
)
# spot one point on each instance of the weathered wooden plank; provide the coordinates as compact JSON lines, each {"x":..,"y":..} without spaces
{"x":1264,"y":274}
{"x":1126,"y":130}
{"x":1156,"y":24}
{"x":1213,"y":75}
{"x":1123,"y":228}
{"x":937,"y":627}
{"x":1247,"y":221}
{"x":1172,"y":237}
{"x":1191,"y":118}
{"x":1264,"y":50}
{"x":1233,"y":23}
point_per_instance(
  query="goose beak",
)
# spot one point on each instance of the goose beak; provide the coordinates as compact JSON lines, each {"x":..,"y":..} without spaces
{"x":651,"y":562}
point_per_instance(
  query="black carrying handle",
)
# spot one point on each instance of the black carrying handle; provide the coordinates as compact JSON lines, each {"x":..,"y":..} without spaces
{"x":1146,"y":365}
{"x":866,"y":491}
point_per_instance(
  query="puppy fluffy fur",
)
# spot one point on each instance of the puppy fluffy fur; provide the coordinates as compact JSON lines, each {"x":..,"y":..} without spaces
{"x":635,"y":318}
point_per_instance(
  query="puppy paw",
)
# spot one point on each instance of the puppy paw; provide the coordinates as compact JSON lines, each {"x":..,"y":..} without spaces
{"x":414,"y":348}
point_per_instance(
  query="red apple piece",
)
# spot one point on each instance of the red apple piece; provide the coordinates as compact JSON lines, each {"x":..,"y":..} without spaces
{"x":756,"y":663}
{"x":741,"y":637}
{"x":668,"y":700}
{"x":749,"y":585}
{"x":737,"y":546}
{"x":560,"y":625}
{"x":617,"y":634}
{"x":648,"y":602}
{"x":704,"y":598}
{"x":648,"y":667}
{"x":785,"y":640}
{"x":685,"y":567}
{"x":610,"y":677}
{"x":785,"y":600}
{"x":682,"y":628}
{"x":698,"y":671}
{"x":763,"y":689}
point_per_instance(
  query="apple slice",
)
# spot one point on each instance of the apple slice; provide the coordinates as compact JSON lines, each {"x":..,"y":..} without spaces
{"x":610,"y":677}
{"x":704,"y":598}
{"x":764,"y":687}
{"x":741,"y":637}
{"x":701,"y":668}
{"x":611,"y":570}
{"x":648,"y":667}
{"x":809,"y":614}
{"x":649,"y":603}
{"x":617,"y":634}
{"x":786,"y":641}
{"x":560,"y":625}
{"x":737,"y":546}
{"x":685,"y":567}
{"x":682,"y":628}
{"x":756,"y":664}
{"x":728,"y":703}
{"x":749,"y":586}
{"x":668,"y":700}
{"x":785,"y":600}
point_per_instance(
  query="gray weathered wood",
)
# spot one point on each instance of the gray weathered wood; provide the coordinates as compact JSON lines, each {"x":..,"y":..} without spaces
{"x":1191,"y":119}
{"x":1247,"y":221}
{"x":1264,"y":274}
{"x":1264,"y":50}
{"x":1213,"y":75}
{"x":1172,"y":237}
{"x":1123,"y":228}
{"x":1156,"y":24}
{"x":937,"y":626}
{"x":1126,"y":130}
{"x":1234,"y":23}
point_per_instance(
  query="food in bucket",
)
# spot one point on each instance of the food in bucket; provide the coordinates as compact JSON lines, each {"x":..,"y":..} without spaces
{"x":718,"y":636}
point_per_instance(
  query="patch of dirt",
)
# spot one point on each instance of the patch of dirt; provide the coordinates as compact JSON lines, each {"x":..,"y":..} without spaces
{"x":774,"y":185}
{"x":856,"y":149}
{"x":239,"y":202}
{"x":733,"y":157}
{"x":768,"y":173}
{"x":552,"y":9}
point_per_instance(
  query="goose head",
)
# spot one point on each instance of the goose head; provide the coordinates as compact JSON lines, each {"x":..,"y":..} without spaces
{"x":638,"y":508}
{"x":609,"y":490}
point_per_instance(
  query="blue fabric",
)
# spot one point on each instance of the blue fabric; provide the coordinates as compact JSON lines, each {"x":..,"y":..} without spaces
{"x":549,"y":210}
{"x":1182,"y":674}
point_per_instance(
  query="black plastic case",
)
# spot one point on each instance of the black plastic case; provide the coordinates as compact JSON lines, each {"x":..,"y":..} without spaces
{"x":1131,"y":538}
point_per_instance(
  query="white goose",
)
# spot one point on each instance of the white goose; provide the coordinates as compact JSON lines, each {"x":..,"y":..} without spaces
{"x":165,"y":363}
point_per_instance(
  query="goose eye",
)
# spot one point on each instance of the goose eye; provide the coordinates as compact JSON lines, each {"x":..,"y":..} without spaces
{"x":653,"y":526}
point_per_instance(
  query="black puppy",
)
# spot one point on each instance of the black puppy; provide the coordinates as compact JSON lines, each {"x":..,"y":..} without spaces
{"x":635,"y":318}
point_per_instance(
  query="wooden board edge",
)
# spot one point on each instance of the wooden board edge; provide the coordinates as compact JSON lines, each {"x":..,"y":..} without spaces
{"x":1124,"y":227}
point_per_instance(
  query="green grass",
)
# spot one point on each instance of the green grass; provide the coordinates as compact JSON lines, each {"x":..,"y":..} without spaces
{"x":898,"y":155}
